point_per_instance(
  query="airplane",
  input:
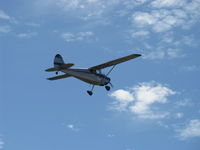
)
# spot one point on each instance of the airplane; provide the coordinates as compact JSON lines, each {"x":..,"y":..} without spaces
{"x":92,"y":75}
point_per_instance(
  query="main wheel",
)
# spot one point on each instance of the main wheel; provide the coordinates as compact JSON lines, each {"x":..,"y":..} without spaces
{"x":56,"y":72}
{"x":90,"y":93}
{"x":107,"y":88}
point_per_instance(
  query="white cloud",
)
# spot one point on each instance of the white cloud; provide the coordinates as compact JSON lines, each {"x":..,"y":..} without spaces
{"x":140,"y":33}
{"x":174,"y":53}
{"x":111,"y":135}
{"x":5,"y":29}
{"x":162,"y":53}
{"x":147,"y":94}
{"x":159,"y":20}
{"x":139,"y":100}
{"x":33,"y":24}
{"x":179,"y":115}
{"x":26,"y":35}
{"x":168,"y":3}
{"x":192,"y":129}
{"x":130,"y":4}
{"x":87,"y":9}
{"x":191,"y":68}
{"x":71,"y":37}
{"x":1,"y":143}
{"x":72,"y":127}
{"x":3,"y":15}
{"x":123,"y":98}
{"x":183,"y":103}
{"x":179,"y":13}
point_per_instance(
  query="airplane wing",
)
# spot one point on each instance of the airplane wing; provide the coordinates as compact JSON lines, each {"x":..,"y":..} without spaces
{"x":114,"y":62}
{"x":59,"y":77}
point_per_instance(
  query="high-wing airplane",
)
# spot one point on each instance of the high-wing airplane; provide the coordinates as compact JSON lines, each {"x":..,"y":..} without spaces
{"x":92,"y":75}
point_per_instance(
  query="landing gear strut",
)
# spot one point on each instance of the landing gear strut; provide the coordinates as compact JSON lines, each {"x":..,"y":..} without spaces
{"x":90,"y":92}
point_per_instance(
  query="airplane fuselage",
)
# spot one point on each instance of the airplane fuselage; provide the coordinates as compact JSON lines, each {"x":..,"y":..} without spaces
{"x":88,"y":76}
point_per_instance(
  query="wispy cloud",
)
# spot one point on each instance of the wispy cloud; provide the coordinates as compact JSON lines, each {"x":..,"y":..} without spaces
{"x":140,"y":33}
{"x":163,"y":53}
{"x":159,"y":20}
{"x":5,"y":29}
{"x":33,"y":24}
{"x":3,"y":15}
{"x":191,"y":68}
{"x":26,"y":35}
{"x":85,"y":9}
{"x":72,"y":127}
{"x":179,"y":115}
{"x":168,"y":3}
{"x":139,"y":100}
{"x":191,"y":130}
{"x":183,"y":103}
{"x":1,"y":144}
{"x":111,"y":135}
{"x":71,"y":37}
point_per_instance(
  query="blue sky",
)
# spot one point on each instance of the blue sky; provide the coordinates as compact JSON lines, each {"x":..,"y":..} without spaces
{"x":155,"y":100}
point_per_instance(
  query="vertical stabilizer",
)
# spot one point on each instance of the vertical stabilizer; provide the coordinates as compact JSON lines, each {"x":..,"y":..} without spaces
{"x":58,"y":60}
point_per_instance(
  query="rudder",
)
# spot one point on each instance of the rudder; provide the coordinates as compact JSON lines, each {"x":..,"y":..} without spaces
{"x":58,"y":60}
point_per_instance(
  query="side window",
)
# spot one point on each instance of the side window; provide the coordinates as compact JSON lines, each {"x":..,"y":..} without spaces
{"x":93,"y":71}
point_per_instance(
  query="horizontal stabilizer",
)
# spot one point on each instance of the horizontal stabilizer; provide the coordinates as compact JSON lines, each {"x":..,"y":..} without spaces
{"x":59,"y":77}
{"x":61,"y":67}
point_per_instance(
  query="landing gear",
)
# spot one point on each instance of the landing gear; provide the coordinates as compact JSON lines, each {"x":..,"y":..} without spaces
{"x":107,"y":88}
{"x":90,"y":92}
{"x":56,"y":72}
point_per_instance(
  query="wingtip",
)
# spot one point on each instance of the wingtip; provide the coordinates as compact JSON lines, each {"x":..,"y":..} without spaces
{"x":137,"y":55}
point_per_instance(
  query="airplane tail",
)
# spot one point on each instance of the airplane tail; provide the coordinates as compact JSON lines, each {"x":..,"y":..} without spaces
{"x":59,"y":64}
{"x":58,"y":60}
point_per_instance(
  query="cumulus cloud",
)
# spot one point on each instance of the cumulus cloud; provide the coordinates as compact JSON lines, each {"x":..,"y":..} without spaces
{"x":139,"y":100}
{"x":192,"y":129}
{"x":71,"y":37}
{"x":161,"y":19}
{"x":123,"y":99}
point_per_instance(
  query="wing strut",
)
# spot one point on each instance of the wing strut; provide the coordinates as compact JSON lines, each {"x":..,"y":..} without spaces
{"x":110,"y":70}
